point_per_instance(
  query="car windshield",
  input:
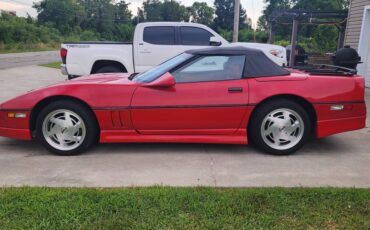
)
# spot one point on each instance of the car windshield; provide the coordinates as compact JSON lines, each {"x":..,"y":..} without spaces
{"x":159,"y":70}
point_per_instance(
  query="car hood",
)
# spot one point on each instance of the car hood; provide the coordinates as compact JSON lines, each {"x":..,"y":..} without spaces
{"x":99,"y":78}
{"x":92,"y":89}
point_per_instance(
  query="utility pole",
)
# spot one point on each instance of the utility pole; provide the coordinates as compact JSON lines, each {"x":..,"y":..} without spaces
{"x":272,"y":33}
{"x":293,"y":42}
{"x":236,"y":20}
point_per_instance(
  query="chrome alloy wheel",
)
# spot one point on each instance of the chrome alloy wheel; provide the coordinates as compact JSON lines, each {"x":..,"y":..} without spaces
{"x":282,"y":129}
{"x":64,"y":130}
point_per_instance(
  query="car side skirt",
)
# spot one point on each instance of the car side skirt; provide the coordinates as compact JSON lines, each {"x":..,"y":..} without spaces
{"x":131,"y":136}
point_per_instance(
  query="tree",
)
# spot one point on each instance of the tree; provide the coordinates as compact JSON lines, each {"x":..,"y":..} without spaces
{"x":321,"y":4}
{"x":152,"y":10}
{"x":325,"y":38}
{"x":167,"y":10}
{"x":174,"y":11}
{"x":312,"y":37}
{"x":100,"y":17}
{"x":202,"y":13}
{"x":123,"y":14}
{"x":24,"y":33}
{"x":140,"y":17}
{"x":104,"y":19}
{"x":225,"y":15}
{"x":271,"y":6}
{"x":64,"y":15}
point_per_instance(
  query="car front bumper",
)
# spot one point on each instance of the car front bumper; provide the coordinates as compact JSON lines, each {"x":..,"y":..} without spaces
{"x":20,"y":134}
{"x":16,"y":128}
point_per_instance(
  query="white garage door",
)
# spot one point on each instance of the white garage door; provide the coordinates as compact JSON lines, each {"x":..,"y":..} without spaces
{"x":367,"y":69}
{"x":364,"y":46}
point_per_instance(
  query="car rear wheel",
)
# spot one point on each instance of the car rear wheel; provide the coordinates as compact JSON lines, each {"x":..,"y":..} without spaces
{"x":66,"y":128}
{"x":280,"y":127}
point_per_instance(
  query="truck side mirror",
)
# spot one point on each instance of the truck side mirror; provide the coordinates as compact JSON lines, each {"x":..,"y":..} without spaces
{"x":214,"y":41}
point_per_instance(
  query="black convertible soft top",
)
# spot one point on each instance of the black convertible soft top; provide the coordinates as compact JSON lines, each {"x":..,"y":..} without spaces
{"x":257,"y":64}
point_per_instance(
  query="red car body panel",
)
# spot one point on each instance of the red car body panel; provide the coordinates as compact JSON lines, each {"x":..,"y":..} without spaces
{"x":322,"y":92}
{"x":202,"y":112}
{"x":206,"y":108}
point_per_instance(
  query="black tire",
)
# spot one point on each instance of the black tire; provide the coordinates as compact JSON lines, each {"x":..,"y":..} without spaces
{"x":255,"y":133}
{"x":109,"y":69}
{"x":92,"y":130}
{"x":70,"y":77}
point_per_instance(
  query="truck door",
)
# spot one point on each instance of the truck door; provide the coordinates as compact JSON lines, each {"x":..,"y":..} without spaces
{"x":193,"y":38}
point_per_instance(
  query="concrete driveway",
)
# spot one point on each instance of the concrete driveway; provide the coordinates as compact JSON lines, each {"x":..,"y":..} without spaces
{"x":340,"y":160}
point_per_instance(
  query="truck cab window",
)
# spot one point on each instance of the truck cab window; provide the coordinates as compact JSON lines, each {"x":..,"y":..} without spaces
{"x":193,"y":36}
{"x":159,"y":35}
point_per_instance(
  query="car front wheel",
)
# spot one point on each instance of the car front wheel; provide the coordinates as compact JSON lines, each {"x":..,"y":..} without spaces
{"x":66,"y":128}
{"x":280,"y":127}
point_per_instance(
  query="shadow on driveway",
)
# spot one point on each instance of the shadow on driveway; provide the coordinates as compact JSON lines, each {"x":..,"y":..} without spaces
{"x":326,"y":146}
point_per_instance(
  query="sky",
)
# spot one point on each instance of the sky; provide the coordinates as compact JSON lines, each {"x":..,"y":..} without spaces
{"x":22,"y":7}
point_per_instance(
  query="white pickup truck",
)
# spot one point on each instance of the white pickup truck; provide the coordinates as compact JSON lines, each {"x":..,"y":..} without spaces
{"x":153,"y":43}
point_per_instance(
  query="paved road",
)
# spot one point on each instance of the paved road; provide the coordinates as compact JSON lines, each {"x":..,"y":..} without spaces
{"x":25,"y":59}
{"x":340,"y":160}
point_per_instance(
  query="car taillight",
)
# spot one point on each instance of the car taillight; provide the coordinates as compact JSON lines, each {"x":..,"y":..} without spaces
{"x":63,"y":55}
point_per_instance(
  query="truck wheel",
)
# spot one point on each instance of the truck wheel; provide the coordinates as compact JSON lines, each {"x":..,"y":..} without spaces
{"x":280,"y":127}
{"x":70,"y":77}
{"x":109,"y":69}
{"x":66,"y":128}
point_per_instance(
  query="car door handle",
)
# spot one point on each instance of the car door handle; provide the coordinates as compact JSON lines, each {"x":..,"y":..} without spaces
{"x":235,"y":89}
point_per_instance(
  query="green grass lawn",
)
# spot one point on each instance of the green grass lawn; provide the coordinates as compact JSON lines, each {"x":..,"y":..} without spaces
{"x":55,"y":65}
{"x":22,"y":47}
{"x":184,"y":208}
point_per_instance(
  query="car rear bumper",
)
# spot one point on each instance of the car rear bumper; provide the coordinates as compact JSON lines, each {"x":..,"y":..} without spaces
{"x":339,"y":117}
{"x":330,"y":127}
{"x":63,"y":69}
{"x":20,"y":134}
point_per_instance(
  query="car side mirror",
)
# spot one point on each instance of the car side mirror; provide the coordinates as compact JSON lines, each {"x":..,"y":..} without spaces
{"x":166,"y":81}
{"x":214,"y":41}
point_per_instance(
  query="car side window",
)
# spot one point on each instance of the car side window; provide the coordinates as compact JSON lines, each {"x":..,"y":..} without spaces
{"x":159,"y":35}
{"x":211,"y":68}
{"x":193,"y":36}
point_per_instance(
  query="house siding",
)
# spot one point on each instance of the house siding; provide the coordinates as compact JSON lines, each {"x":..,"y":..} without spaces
{"x":354,"y":23}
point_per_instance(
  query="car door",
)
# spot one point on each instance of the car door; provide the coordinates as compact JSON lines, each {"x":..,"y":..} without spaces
{"x":209,"y":97}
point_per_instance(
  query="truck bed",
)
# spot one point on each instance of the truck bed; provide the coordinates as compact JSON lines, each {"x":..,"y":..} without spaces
{"x":82,"y":56}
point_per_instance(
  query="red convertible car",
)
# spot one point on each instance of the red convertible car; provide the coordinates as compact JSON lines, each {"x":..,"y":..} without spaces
{"x":229,"y":95}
